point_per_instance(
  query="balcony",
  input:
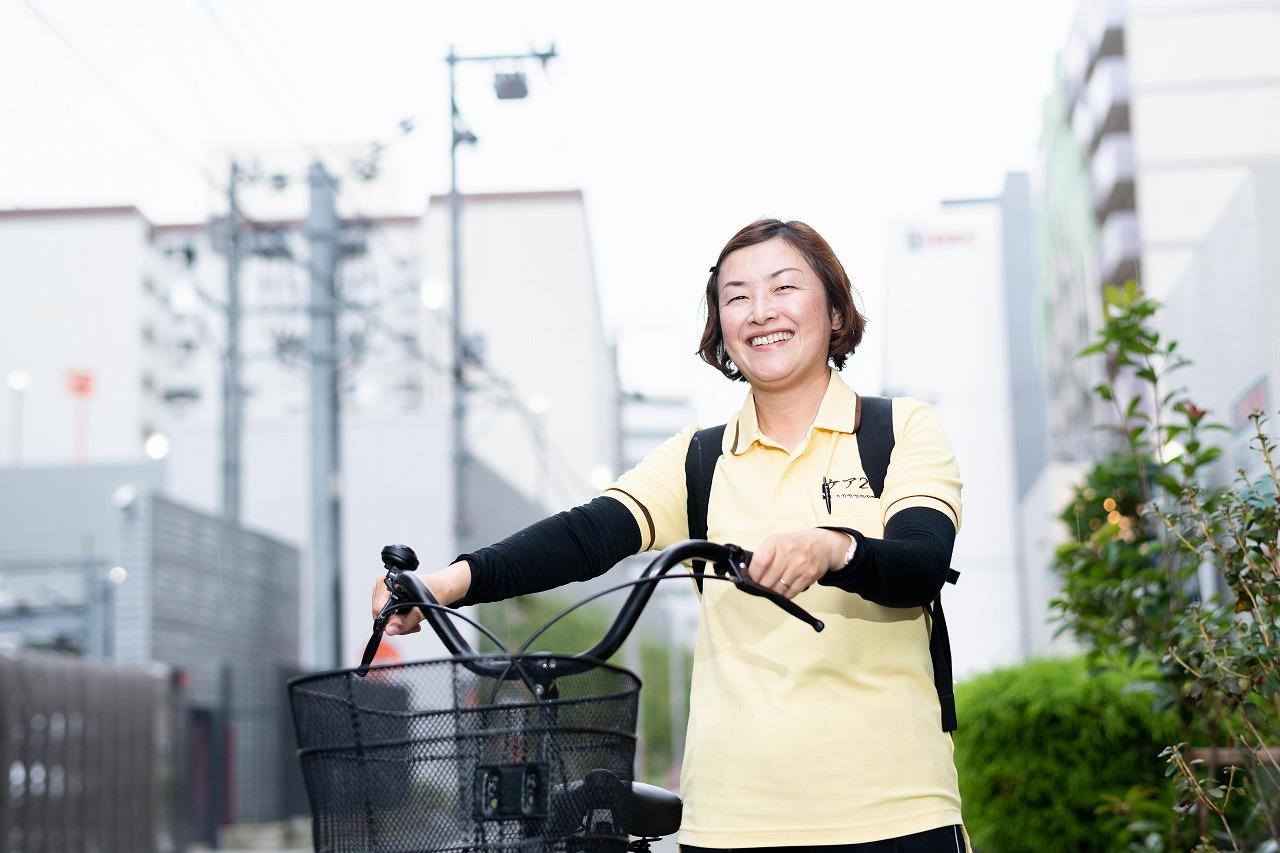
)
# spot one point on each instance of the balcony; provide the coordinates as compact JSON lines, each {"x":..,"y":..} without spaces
{"x":1101,"y":26}
{"x":1111,"y":175}
{"x":1106,"y":100}
{"x":1118,"y":247}
{"x":1096,"y":35}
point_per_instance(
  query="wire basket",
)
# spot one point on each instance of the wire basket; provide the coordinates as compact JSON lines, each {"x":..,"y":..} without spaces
{"x":431,"y":756}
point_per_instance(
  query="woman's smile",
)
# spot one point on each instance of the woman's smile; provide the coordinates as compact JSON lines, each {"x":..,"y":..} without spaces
{"x":768,"y":341}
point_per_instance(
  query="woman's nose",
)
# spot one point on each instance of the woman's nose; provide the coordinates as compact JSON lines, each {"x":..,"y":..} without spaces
{"x":763,"y":310}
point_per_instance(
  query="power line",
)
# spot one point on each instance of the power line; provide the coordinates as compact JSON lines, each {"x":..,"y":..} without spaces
{"x":365,"y":170}
{"x":217,"y":185}
{"x":138,"y":113}
{"x":242,"y":56}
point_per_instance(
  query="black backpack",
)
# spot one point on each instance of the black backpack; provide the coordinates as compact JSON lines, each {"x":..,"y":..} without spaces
{"x":875,"y":446}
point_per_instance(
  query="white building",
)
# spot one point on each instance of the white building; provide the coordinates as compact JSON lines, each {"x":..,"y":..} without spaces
{"x":1224,"y":312}
{"x":545,"y":413}
{"x":80,"y":293}
{"x":104,"y":291}
{"x":1174,"y":102}
{"x":957,"y":331}
{"x":1162,"y":109}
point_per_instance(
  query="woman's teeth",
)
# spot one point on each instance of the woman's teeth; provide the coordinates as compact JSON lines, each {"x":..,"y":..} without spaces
{"x":771,"y":339}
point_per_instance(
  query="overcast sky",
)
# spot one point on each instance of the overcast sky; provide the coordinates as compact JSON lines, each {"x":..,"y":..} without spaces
{"x":680,"y":121}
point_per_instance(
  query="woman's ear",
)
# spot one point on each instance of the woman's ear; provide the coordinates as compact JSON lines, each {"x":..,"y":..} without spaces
{"x":837,"y":322}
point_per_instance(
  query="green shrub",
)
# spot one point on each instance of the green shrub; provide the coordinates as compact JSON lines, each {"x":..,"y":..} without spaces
{"x":1052,"y":758}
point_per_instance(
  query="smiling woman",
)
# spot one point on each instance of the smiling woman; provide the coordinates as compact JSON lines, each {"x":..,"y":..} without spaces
{"x":840,"y":741}
{"x":804,"y":254}
{"x":779,"y":309}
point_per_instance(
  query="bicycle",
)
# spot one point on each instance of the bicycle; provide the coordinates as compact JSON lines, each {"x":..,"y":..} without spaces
{"x":519,"y":750}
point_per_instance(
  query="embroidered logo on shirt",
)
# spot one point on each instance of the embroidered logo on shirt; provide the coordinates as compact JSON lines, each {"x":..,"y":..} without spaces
{"x":846,"y":489}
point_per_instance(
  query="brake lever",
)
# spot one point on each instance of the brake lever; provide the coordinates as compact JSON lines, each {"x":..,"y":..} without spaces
{"x":380,"y":622}
{"x":735,"y":566}
{"x":395,"y":559}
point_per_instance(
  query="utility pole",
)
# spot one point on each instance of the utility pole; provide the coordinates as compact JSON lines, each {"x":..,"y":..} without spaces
{"x":326,"y":474}
{"x":508,"y":86}
{"x":461,"y":524}
{"x":232,"y":413}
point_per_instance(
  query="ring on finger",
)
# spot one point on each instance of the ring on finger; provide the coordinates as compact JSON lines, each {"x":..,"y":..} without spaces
{"x":783,"y":581}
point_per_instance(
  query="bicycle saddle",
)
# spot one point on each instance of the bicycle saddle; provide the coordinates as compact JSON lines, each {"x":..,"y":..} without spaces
{"x":655,"y":811}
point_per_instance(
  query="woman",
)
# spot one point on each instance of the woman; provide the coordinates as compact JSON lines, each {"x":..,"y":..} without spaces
{"x":795,"y":740}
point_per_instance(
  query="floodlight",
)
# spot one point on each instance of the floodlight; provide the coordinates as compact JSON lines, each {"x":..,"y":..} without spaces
{"x":510,"y":85}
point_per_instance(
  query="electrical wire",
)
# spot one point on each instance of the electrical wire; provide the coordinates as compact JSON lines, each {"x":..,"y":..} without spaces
{"x":123,"y":97}
{"x":220,"y":187}
{"x":242,"y":56}
{"x":216,"y":184}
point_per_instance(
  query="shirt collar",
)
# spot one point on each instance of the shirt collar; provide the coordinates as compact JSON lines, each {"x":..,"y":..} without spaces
{"x":840,"y":411}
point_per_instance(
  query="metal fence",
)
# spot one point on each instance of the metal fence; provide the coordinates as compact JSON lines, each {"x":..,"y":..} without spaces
{"x":89,"y":756}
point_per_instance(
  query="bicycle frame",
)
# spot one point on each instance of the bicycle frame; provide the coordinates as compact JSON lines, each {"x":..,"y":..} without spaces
{"x":534,"y":784}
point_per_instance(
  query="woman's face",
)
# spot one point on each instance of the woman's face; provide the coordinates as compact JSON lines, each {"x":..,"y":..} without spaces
{"x":774,"y":316}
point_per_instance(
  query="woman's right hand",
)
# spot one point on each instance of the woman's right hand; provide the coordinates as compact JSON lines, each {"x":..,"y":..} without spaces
{"x":448,"y":585}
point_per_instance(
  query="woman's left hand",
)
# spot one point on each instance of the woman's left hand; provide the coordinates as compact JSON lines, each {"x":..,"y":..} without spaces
{"x":790,"y":563}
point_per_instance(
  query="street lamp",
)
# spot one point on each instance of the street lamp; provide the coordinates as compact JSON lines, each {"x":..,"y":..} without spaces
{"x":19,"y":382}
{"x":507,"y":85}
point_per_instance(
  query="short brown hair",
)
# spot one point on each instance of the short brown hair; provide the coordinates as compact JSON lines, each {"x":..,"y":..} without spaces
{"x":824,"y":262}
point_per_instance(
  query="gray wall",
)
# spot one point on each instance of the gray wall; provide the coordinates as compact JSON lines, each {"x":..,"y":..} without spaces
{"x":219,"y":604}
{"x":58,"y":538}
{"x":1225,"y":312}
{"x":1030,"y":427}
{"x":65,"y":509}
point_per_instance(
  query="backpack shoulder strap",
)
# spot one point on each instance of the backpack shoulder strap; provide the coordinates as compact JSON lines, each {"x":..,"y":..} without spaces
{"x":875,"y":446}
{"x":940,"y":654}
{"x":875,"y":439}
{"x":699,"y":469}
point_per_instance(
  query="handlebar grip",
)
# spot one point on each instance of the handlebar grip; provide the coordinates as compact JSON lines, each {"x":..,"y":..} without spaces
{"x":735,"y":565}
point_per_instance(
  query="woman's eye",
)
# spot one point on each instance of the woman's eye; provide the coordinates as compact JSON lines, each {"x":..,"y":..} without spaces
{"x":735,"y":298}
{"x":786,"y":287}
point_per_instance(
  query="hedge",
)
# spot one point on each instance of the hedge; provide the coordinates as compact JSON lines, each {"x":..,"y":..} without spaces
{"x":1043,"y":748}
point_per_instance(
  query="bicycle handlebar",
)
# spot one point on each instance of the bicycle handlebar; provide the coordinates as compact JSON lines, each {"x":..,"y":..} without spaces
{"x":408,"y":590}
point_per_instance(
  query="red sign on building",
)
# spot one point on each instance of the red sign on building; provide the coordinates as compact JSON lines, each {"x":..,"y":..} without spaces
{"x":79,"y":383}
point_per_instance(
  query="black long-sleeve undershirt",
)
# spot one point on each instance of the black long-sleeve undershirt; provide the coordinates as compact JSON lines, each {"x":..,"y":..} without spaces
{"x":904,"y":569}
{"x":575,"y":545}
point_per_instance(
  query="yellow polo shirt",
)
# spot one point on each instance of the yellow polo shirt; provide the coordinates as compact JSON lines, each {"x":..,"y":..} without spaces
{"x":797,"y":737}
